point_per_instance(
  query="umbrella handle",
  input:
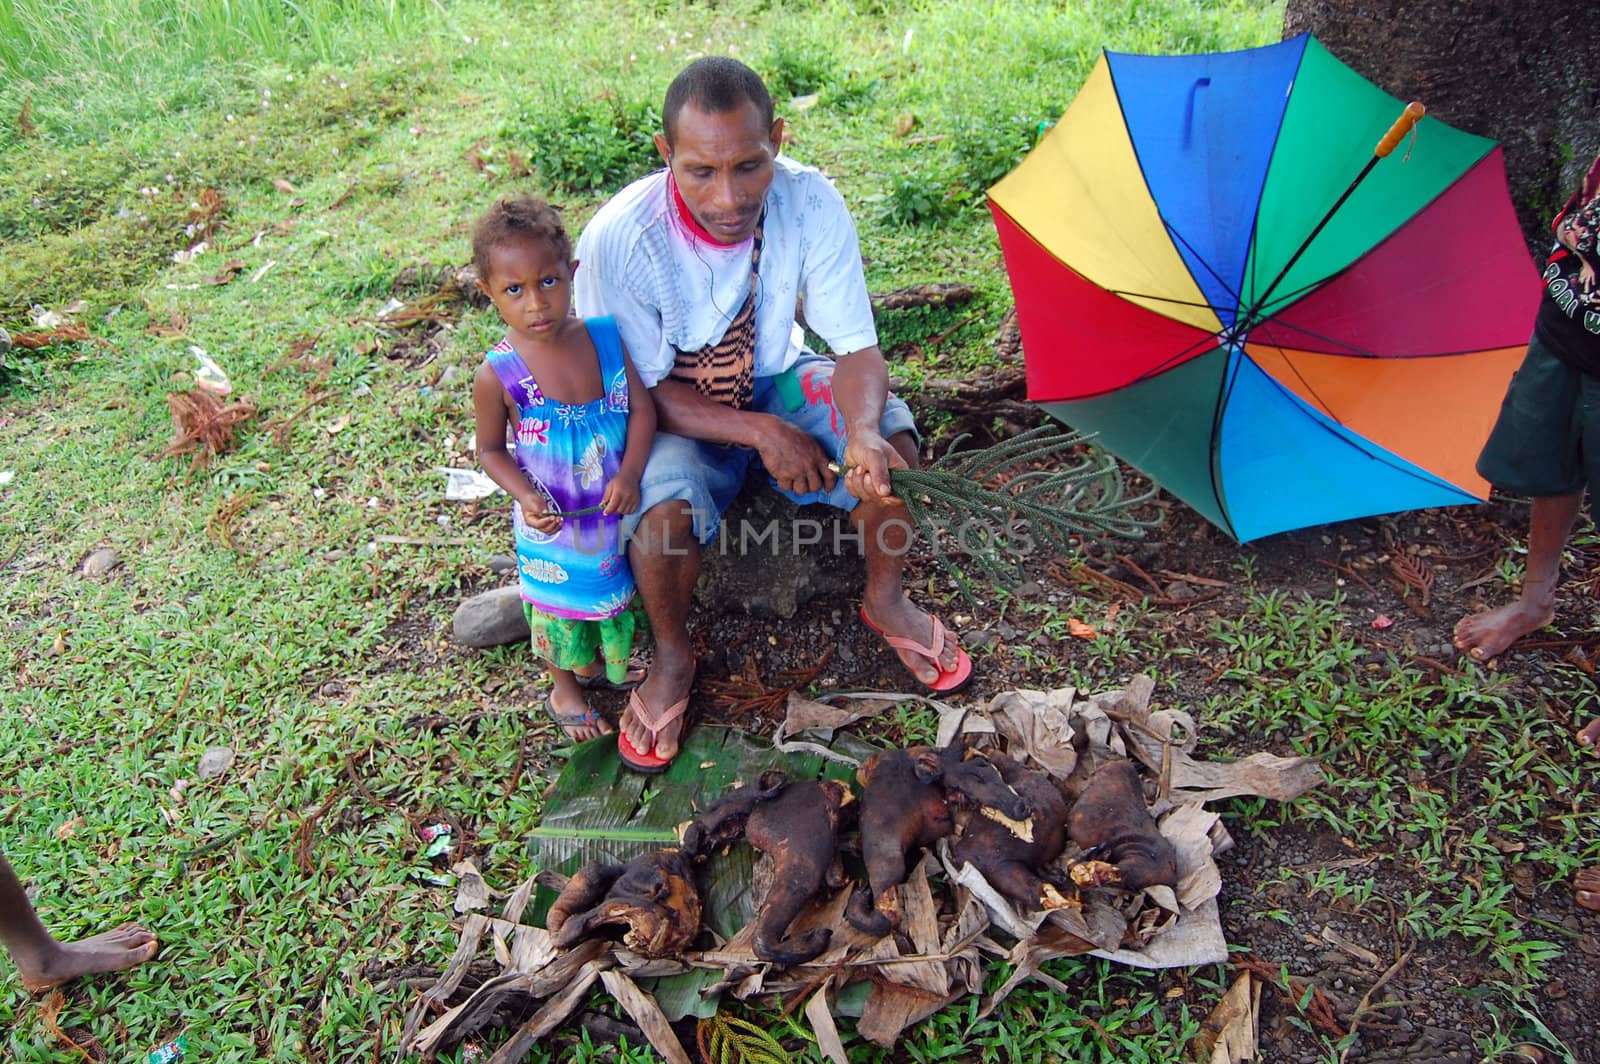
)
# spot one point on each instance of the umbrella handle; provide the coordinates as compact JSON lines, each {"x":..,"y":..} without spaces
{"x":1402,"y":125}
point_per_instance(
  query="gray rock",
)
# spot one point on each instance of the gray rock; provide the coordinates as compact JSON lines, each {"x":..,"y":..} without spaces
{"x":214,"y":762}
{"x":101,"y":562}
{"x":502,"y":563}
{"x":772,"y":556}
{"x":450,"y":375}
{"x":491,"y":618}
{"x":5,"y":341}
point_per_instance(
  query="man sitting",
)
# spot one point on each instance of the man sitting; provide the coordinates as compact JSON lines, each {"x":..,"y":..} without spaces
{"x":703,"y":265}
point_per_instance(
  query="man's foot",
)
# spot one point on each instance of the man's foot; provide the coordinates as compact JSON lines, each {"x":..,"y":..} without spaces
{"x":924,"y":646}
{"x":574,"y":716}
{"x":110,"y":951}
{"x":1586,"y":888}
{"x":1482,"y":636}
{"x":667,"y":684}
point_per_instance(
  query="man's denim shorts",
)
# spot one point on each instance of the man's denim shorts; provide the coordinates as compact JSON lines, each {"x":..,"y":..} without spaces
{"x":709,"y":475}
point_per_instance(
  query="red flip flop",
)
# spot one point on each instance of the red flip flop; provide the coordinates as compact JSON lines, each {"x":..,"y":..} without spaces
{"x":949,"y":680}
{"x":648,"y":761}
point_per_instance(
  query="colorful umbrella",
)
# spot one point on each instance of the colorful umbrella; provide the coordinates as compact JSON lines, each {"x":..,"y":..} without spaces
{"x":1170,"y":302}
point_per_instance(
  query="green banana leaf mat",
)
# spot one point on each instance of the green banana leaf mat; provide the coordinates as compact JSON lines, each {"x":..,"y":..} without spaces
{"x":599,"y":810}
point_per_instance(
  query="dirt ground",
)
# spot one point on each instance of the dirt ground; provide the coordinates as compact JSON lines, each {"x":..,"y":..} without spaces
{"x":1192,"y":574}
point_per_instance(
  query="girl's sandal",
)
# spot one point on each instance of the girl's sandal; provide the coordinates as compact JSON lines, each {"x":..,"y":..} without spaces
{"x":567,"y":722}
{"x":599,"y":681}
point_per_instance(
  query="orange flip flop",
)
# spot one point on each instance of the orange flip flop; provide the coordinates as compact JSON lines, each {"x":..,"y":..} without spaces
{"x":949,"y":680}
{"x":648,"y":761}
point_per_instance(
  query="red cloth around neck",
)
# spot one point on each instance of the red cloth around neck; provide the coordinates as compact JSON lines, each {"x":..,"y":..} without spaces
{"x":688,"y":220}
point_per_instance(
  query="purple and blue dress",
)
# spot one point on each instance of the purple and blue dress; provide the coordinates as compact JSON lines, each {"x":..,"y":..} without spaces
{"x":577,"y":588}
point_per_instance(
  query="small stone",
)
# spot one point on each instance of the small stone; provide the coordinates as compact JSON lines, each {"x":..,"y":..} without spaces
{"x":101,"y":562}
{"x":846,"y":655}
{"x":491,"y":618}
{"x":503,"y":563}
{"x":333,"y":689}
{"x":1180,"y":591}
{"x":334,"y":555}
{"x":214,"y":762}
{"x":1556,"y":989}
{"x":981,"y":639}
{"x":5,"y":341}
{"x":450,"y":375}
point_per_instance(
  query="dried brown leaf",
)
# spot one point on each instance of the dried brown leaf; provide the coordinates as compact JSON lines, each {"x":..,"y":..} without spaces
{"x":283,"y":186}
{"x":25,"y":124}
{"x":68,"y":333}
{"x":644,"y":1011}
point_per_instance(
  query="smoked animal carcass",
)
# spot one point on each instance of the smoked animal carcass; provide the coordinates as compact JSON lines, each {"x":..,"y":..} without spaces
{"x":796,"y":827}
{"x":905,"y":807}
{"x":1010,"y":853}
{"x":652,"y":900}
{"x":799,"y":831}
{"x":1120,"y":840}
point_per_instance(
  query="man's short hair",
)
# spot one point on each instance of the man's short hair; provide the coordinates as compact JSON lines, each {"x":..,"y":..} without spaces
{"x":715,"y":85}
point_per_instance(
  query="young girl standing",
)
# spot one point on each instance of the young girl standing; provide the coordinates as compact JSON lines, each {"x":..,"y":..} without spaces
{"x":582,"y":424}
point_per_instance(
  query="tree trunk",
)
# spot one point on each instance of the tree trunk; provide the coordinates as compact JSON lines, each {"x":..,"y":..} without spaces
{"x":1525,"y":72}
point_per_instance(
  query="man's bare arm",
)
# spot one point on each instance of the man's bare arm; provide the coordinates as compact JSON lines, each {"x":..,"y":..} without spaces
{"x":860,"y":388}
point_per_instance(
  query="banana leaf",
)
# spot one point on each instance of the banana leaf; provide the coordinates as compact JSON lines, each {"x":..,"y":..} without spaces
{"x":599,"y":810}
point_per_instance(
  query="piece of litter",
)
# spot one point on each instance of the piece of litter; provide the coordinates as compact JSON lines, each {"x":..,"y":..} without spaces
{"x":1381,"y":621}
{"x":391,"y":306}
{"x":464,"y":485}
{"x":214,"y":762}
{"x":338,"y":426}
{"x":209,"y":376}
{"x":1080,"y":630}
{"x":45,"y":319}
{"x":256,"y":277}
{"x":169,"y":1053}
{"x":6,"y":476}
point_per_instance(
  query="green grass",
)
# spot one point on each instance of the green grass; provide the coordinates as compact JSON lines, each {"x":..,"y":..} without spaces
{"x":307,"y":645}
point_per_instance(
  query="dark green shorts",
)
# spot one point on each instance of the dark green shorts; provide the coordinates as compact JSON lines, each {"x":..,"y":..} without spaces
{"x":1547,"y":438}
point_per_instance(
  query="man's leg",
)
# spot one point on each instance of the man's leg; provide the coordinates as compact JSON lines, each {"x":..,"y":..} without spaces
{"x":1484,"y":635}
{"x":42,"y":961}
{"x":886,"y":534}
{"x":665,"y":556}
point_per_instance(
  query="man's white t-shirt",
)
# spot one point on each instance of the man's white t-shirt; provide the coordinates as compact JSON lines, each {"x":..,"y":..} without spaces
{"x":667,"y":288}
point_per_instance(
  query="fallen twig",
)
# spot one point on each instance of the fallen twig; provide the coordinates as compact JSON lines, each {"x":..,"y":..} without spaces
{"x":1383,"y":980}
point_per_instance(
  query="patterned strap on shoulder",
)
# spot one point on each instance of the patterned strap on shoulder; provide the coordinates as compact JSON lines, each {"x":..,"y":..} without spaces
{"x":514,"y":374}
{"x":725,"y":371}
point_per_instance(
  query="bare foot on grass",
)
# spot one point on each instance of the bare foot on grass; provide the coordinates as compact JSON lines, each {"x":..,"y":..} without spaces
{"x":1482,"y":636}
{"x":110,"y":951}
{"x":1586,"y":888}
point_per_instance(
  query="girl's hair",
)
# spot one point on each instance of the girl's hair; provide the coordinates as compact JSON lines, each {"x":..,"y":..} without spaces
{"x":523,"y":218}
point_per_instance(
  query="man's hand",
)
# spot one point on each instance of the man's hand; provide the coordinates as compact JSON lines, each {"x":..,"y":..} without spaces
{"x":868,"y":457}
{"x":621,"y":495}
{"x":794,"y":459}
